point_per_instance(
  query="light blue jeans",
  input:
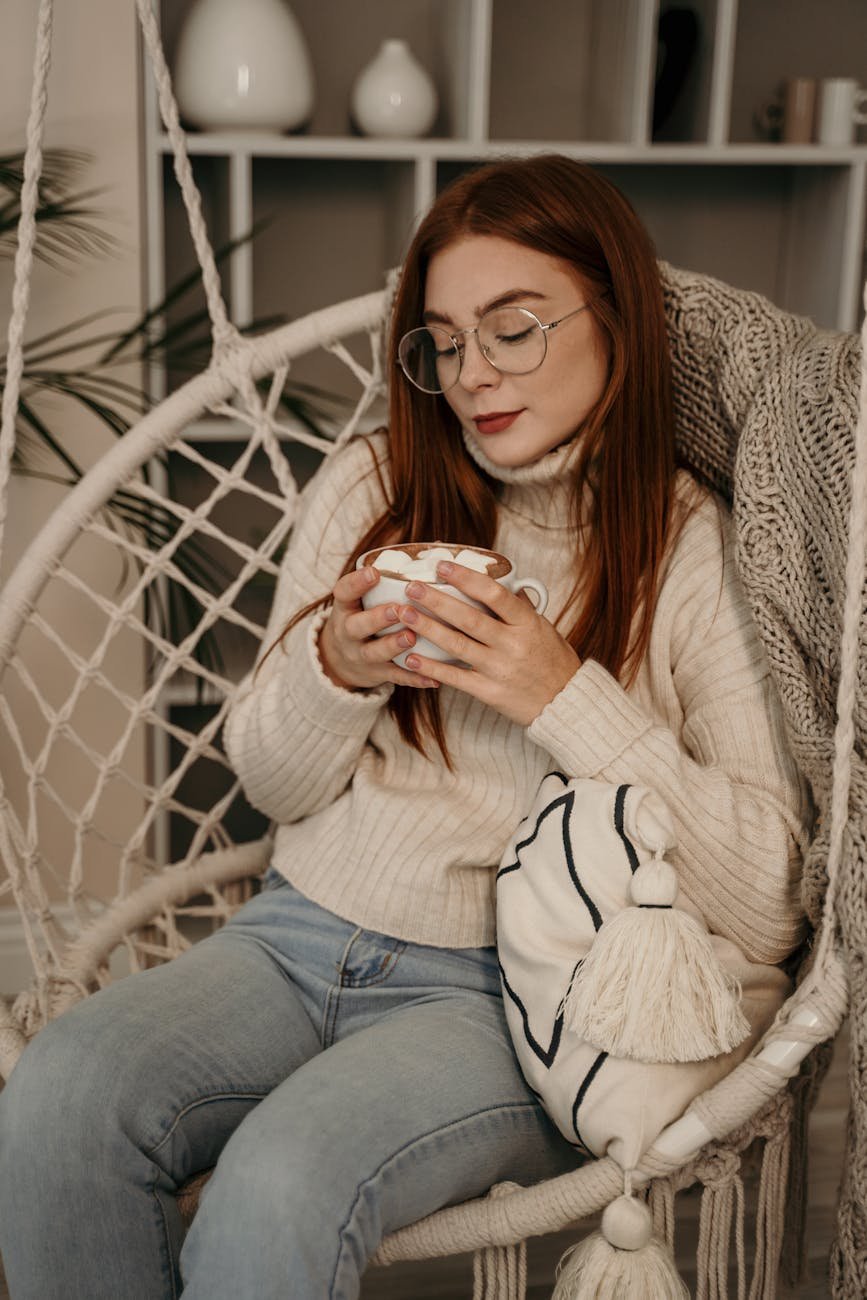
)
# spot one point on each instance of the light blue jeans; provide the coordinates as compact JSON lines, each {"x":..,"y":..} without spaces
{"x":342,"y":1082}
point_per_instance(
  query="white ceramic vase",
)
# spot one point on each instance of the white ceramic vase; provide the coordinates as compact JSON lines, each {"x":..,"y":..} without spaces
{"x":243,"y":66}
{"x":394,"y":95}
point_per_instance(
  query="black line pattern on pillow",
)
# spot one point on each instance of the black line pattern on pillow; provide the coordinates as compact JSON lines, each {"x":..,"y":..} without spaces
{"x":545,"y":1054}
{"x":548,"y":1055}
{"x":565,"y":801}
{"x":582,"y":1093}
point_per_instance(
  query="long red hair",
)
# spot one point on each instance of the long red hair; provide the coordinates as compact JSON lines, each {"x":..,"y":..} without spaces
{"x":626,"y":455}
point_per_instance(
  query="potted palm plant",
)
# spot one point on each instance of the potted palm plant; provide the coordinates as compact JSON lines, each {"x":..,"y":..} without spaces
{"x":87,"y":363}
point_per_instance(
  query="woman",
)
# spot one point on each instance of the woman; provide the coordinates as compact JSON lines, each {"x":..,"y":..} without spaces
{"x":339,"y":1050}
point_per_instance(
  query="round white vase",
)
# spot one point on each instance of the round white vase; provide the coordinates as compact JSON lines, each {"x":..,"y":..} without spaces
{"x":394,"y":95}
{"x":243,"y":66}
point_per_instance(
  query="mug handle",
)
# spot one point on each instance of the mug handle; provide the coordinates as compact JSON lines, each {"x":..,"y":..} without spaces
{"x":532,"y":584}
{"x":860,"y":114}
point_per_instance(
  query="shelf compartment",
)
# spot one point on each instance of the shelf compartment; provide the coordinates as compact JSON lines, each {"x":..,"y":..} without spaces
{"x":334,"y":230}
{"x":569,"y":71}
{"x":776,"y":230}
{"x":683,"y":86}
{"x":777,"y":39}
{"x":343,"y":36}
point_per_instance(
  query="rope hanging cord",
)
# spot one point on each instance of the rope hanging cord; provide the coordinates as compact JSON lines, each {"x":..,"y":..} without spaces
{"x":24,"y":250}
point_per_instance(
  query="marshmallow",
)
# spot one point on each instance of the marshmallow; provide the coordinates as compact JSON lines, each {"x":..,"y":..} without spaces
{"x":424,"y":567}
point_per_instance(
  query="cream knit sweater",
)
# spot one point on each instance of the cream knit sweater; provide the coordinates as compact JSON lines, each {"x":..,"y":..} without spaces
{"x":394,"y":842}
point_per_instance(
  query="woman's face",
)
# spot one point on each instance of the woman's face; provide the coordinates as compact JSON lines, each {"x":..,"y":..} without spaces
{"x":516,"y":419}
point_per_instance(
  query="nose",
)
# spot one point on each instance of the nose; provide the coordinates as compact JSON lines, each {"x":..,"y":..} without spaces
{"x":476,"y":371}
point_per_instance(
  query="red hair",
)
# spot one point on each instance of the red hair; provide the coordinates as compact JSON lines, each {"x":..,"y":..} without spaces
{"x":626,"y":455}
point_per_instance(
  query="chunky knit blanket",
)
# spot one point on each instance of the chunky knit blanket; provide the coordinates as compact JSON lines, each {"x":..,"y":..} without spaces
{"x":766,"y":408}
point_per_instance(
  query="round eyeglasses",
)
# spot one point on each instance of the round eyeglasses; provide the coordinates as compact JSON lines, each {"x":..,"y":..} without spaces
{"x":511,"y":339}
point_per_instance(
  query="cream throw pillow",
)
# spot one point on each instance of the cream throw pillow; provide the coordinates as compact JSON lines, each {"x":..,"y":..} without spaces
{"x":569,"y":868}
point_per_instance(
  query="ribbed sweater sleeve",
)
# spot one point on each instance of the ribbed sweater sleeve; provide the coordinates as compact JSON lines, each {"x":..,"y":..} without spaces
{"x":725,"y":768}
{"x":292,"y":736}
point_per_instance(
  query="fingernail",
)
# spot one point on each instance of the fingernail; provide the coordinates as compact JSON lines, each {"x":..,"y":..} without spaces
{"x":370,"y":576}
{"x":410,"y":615}
{"x":391,"y":613}
{"x":445,"y":568}
{"x":415,"y":590}
{"x":406,"y":638}
{"x":413,"y":661}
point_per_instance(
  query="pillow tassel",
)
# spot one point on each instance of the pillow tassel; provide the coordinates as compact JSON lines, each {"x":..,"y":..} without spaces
{"x":651,"y":988}
{"x":622,"y":1261}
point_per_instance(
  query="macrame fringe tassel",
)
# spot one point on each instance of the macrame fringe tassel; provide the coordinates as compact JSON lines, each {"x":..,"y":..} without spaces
{"x":500,"y":1273}
{"x":803,"y":1092}
{"x":722,"y":1207}
{"x":651,"y":987}
{"x":623,"y":1261}
{"x":770,"y":1214}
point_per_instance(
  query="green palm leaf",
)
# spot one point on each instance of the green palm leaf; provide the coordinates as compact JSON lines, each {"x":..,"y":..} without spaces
{"x":75,"y":363}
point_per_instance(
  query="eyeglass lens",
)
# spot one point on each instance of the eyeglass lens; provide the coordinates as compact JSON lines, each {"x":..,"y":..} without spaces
{"x":510,"y":338}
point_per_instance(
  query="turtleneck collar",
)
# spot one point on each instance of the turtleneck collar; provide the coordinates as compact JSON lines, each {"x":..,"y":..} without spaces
{"x":541,"y":492}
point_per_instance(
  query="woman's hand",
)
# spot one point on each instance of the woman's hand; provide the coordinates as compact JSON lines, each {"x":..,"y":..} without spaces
{"x":518,"y":661}
{"x":350,"y":652}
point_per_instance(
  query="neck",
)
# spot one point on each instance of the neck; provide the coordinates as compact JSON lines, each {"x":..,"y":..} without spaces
{"x":542,"y":491}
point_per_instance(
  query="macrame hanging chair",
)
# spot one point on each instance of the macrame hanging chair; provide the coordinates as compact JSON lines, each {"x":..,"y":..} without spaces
{"x":74,"y":794}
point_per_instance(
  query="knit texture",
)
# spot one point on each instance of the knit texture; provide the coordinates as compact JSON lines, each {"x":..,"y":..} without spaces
{"x":767,"y":409}
{"x":393,"y":841}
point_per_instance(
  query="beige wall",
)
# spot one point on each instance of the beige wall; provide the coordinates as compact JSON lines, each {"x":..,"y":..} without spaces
{"x":93,"y":106}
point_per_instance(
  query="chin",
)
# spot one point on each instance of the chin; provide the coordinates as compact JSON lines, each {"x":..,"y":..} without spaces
{"x":512,"y":456}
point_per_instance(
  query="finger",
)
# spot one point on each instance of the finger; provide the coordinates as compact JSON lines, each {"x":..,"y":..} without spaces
{"x":378,"y":650}
{"x":454,"y":641}
{"x":447,"y":674}
{"x":504,"y":603}
{"x":367,"y":622}
{"x":475,"y":623}
{"x":349,"y":588}
{"x":404,"y":677}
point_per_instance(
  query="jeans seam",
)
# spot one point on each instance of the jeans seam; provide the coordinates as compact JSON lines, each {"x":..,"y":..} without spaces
{"x":166,"y":1237}
{"x":407,"y":1146}
{"x":331,"y":1005}
{"x":150,"y":1152}
{"x":253,"y":1095}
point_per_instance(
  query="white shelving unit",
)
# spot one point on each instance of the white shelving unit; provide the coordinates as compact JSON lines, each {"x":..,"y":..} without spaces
{"x":575,"y":76}
{"x":569,"y":75}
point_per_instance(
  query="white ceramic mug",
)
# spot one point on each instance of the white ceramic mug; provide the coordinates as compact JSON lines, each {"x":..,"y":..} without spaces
{"x":392,"y":590}
{"x":841,"y":107}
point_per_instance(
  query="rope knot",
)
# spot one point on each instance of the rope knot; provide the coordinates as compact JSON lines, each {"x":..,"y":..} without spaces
{"x":718,"y":1170}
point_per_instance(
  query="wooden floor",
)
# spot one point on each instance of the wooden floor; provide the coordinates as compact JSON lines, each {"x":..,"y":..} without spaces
{"x":451,"y":1279}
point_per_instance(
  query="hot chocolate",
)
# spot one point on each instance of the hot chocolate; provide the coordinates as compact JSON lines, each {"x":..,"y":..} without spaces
{"x":417,"y":561}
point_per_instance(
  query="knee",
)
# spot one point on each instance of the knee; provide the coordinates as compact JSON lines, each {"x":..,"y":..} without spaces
{"x":273,"y":1176}
{"x":64,"y":1089}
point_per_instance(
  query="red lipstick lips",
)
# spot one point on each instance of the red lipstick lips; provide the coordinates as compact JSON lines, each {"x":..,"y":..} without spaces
{"x":496,"y":422}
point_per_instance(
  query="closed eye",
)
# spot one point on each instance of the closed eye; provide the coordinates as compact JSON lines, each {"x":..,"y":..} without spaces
{"x":514,"y":338}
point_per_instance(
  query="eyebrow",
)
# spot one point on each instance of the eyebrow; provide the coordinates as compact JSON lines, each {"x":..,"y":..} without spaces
{"x":507,"y":299}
